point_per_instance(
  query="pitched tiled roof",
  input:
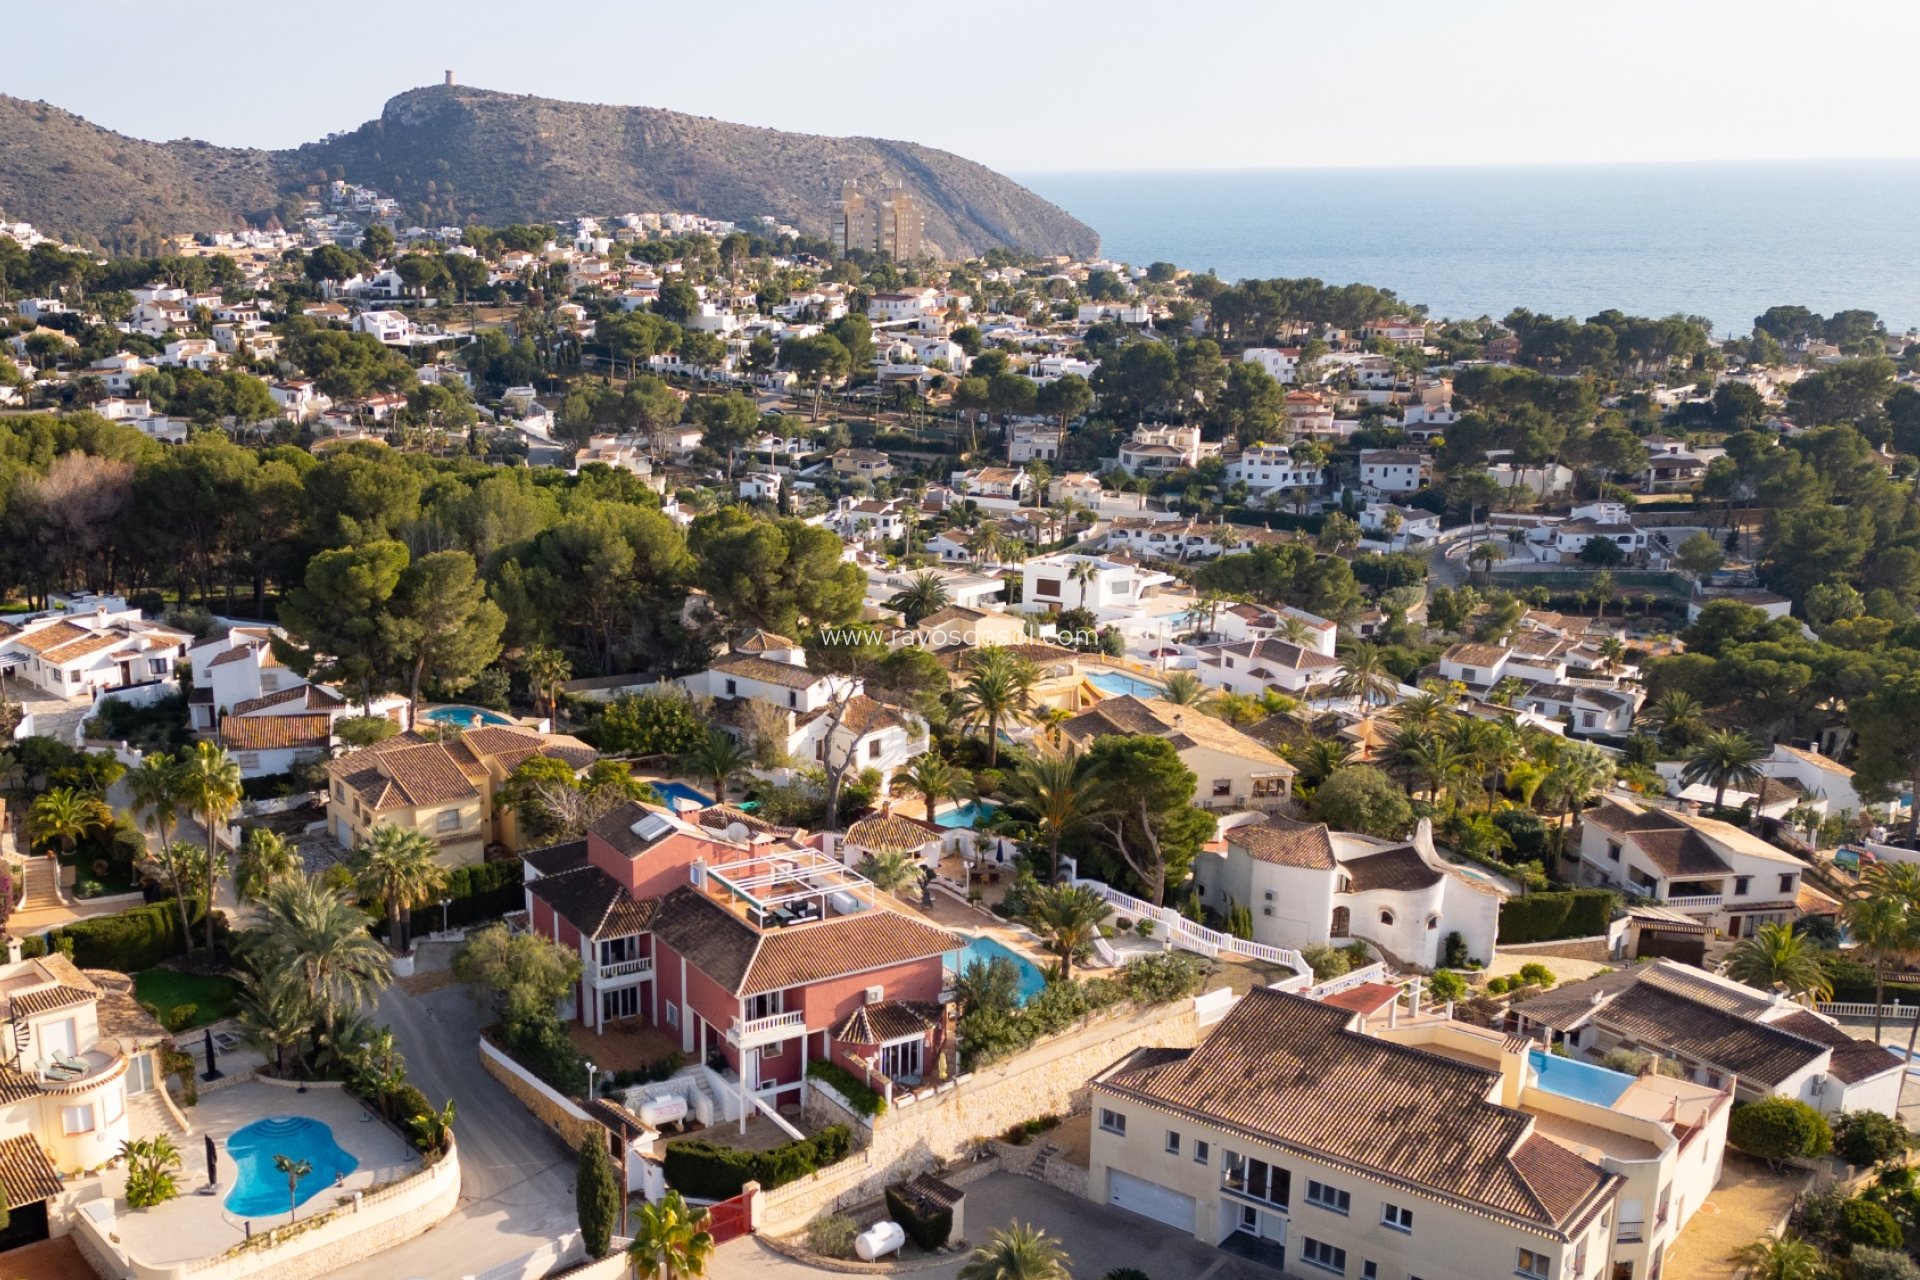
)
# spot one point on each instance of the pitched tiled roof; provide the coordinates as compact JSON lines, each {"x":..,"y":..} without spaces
{"x":28,"y":1176}
{"x":1753,"y":1050}
{"x":1182,"y":726}
{"x":1475,"y":655}
{"x":634,"y":828}
{"x":1401,"y":869}
{"x":511,"y":747}
{"x":888,"y":1020}
{"x":44,"y":639}
{"x":747,"y":962}
{"x":556,"y":858}
{"x":426,"y":774}
{"x":765,"y":670}
{"x":16,"y":1085}
{"x":718,"y":817}
{"x":1284,"y":1069}
{"x":25,"y":1004}
{"x":317,"y":698}
{"x":268,"y":733}
{"x":1286,"y":843}
{"x":891,"y":831}
{"x":593,"y":902}
{"x":1853,"y":1060}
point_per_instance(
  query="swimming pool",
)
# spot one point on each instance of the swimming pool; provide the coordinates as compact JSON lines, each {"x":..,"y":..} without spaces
{"x":465,"y":717}
{"x":678,"y":795}
{"x":1032,"y":977}
{"x":260,"y":1189}
{"x":1118,"y":682}
{"x":1579,"y":1080}
{"x":966,"y":815}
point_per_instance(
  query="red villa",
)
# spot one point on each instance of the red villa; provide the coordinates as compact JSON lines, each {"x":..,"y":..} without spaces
{"x":744,"y":943}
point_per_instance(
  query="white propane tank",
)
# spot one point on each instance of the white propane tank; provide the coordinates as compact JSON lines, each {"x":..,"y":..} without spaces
{"x":664,"y":1109}
{"x":879,"y":1240}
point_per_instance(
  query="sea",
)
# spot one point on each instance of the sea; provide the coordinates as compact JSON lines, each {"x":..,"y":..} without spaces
{"x":1724,"y":241}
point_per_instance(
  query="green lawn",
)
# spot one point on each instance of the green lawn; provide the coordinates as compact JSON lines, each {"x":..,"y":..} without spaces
{"x":168,"y":989}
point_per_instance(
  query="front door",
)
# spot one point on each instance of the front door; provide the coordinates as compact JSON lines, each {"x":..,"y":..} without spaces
{"x":623,"y":1002}
{"x":902,"y":1060}
{"x":140,"y":1073}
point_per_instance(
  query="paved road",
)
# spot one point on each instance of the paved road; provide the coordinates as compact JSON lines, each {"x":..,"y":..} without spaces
{"x":516,"y":1191}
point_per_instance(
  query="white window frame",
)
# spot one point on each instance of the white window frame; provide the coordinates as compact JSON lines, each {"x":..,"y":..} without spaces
{"x":1114,"y":1122}
{"x":1396,"y":1217}
{"x":1173,"y":1142}
{"x":1324,"y":1195}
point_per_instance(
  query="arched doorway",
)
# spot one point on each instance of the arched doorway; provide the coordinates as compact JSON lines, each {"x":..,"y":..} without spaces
{"x":1342,"y":918}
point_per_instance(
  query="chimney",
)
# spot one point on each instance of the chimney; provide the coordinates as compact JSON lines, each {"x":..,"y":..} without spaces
{"x":449,"y":77}
{"x":13,"y":951}
{"x":1423,"y":838}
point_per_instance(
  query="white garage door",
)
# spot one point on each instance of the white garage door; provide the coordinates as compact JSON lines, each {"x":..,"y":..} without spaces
{"x":1150,"y":1200}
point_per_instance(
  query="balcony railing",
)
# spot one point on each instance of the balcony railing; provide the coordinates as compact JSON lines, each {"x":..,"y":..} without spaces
{"x":1696,"y":902}
{"x":623,"y":968}
{"x":755,"y":1032}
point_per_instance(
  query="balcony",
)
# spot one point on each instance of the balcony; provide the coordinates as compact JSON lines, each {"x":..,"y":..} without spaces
{"x":754,"y":1032}
{"x":640,"y":967}
{"x":69,"y":1074}
{"x":1696,"y":902}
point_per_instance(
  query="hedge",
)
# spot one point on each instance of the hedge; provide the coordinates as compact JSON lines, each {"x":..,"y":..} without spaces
{"x":927,"y":1224}
{"x":1544,"y":917}
{"x":707,"y":1172}
{"x":481,"y":891}
{"x":860,"y":1095}
{"x":131,"y":940}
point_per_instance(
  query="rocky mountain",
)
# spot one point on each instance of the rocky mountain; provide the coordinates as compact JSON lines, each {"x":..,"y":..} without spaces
{"x":455,"y":154}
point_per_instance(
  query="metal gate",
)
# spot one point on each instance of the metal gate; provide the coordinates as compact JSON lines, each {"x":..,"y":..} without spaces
{"x":730,"y":1219}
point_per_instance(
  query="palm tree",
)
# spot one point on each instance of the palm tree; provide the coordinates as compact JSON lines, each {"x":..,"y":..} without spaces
{"x":1183,"y":689}
{"x":155,"y":790}
{"x":1430,"y":709}
{"x":719,"y":758}
{"x":395,"y":865}
{"x":265,"y":859}
{"x":546,"y":670}
{"x":1021,"y":1252}
{"x":1318,"y":759}
{"x":1428,"y":757}
{"x":1295,"y":631}
{"x":65,"y":814}
{"x":1576,"y":771}
{"x":1068,"y":917}
{"x":1234,"y":708}
{"x":433,"y":1130}
{"x":987,"y":544}
{"x":925,"y":594}
{"x":933,"y":778}
{"x":1780,"y":1258}
{"x":312,"y":930}
{"x":1776,"y":956}
{"x":210,"y":786}
{"x":890,"y":870}
{"x":998,"y":690}
{"x":295,"y":1170}
{"x":275,"y":1015}
{"x":1723,"y":758}
{"x":1364,"y":677}
{"x":1880,"y":925}
{"x":671,"y":1241}
{"x":1055,"y":792}
{"x":1676,"y":715}
{"x":1482,"y":557}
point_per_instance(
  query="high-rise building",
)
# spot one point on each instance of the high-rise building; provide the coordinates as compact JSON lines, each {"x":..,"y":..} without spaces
{"x":891,"y":223}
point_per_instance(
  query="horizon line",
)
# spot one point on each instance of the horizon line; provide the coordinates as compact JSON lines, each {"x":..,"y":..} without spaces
{"x":1464,"y":166}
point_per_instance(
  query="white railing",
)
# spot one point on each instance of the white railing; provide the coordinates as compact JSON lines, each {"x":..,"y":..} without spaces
{"x":758,"y":1031}
{"x":1194,"y":937}
{"x":1696,"y":902}
{"x":622,"y":968}
{"x":1843,"y":1009}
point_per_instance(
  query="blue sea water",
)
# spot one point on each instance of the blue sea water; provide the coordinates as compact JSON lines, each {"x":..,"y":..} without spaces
{"x":1725,"y":241}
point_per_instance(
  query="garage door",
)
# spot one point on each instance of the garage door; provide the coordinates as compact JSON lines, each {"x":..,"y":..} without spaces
{"x":1150,"y":1200}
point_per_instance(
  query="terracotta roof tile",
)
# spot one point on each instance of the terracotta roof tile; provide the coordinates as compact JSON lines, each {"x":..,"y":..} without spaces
{"x":593,"y":902}
{"x":871,"y":939}
{"x":1401,"y":869}
{"x":269,"y":733}
{"x":891,"y":831}
{"x":25,"y":1171}
{"x":888,"y":1020}
{"x":1285,"y":843}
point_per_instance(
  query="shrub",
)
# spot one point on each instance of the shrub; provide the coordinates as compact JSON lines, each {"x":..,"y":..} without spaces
{"x":541,"y":1045}
{"x":181,"y":1016}
{"x":1864,"y":1222}
{"x":927,"y":1223}
{"x":831,"y":1235}
{"x":861,"y":1096}
{"x":708,"y":1172}
{"x":1535,"y":974}
{"x":1144,"y":928}
{"x":1869,"y":1138}
{"x":1498,"y":986}
{"x":1776,"y":1129}
{"x":131,"y":940}
{"x":1454,"y":954}
{"x":1326,"y":962}
{"x":1546,"y":917}
{"x":1868,"y":1263}
{"x":1527,"y":832}
{"x":1173,"y":975}
{"x":1445,"y":986}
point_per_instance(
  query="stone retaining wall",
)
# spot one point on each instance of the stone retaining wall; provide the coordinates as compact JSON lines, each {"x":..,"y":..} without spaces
{"x":1593,"y":949}
{"x":548,"y":1107}
{"x":1051,"y":1078}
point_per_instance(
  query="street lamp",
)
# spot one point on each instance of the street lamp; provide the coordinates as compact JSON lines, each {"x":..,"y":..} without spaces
{"x":444,"y":904}
{"x":591,"y":1070}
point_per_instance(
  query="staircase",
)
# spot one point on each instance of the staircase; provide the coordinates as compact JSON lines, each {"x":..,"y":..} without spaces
{"x":1037,"y":1167}
{"x":146,"y":1115}
{"x":42,"y":876}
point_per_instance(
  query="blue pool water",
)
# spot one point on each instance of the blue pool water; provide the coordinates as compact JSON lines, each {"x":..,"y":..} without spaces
{"x":465,"y":717}
{"x":259,"y":1189}
{"x":1581,"y":1080}
{"x":1118,"y":682}
{"x":678,"y":795}
{"x":967,"y":815}
{"x":1032,"y":977}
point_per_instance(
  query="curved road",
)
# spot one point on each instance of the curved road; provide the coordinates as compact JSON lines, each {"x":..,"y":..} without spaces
{"x":516,"y":1177}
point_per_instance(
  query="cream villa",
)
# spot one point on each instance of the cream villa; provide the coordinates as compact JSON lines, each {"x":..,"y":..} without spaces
{"x":1425,"y":1148}
{"x":1231,"y":770}
{"x":1712,"y":870}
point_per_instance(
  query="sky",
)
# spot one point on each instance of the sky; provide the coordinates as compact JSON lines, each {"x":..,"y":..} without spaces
{"x":1052,"y":86}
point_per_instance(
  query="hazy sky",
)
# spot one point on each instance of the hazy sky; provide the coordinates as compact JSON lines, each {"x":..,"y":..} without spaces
{"x":1039,"y":85}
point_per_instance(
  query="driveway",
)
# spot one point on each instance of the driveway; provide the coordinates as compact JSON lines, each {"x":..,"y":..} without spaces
{"x":516,"y":1177}
{"x":1098,"y":1239}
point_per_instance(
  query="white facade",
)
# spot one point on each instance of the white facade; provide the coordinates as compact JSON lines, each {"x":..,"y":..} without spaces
{"x":1267,"y":468}
{"x":1281,"y":363}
